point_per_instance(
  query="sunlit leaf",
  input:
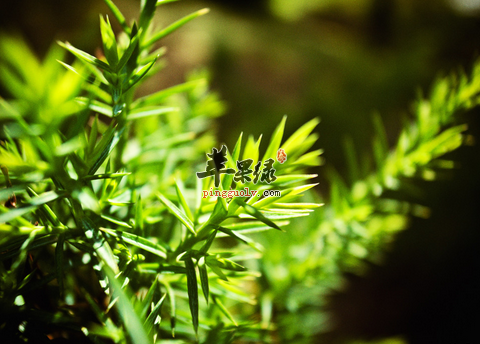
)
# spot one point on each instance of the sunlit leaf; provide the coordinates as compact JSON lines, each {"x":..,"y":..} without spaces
{"x":86,"y":57}
{"x":251,"y":210}
{"x":204,"y":249}
{"x":202,"y":269}
{"x":224,"y":310}
{"x":179,"y":188}
{"x":275,"y":141}
{"x":154,"y":111}
{"x":224,"y":263}
{"x":109,"y":42}
{"x":172,"y":27}
{"x":137,"y":241}
{"x":154,"y":317}
{"x":173,"y":209}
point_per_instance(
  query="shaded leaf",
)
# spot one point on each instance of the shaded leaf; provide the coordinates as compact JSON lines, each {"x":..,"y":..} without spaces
{"x":11,"y":214}
{"x":192,"y":291}
{"x":59,"y":261}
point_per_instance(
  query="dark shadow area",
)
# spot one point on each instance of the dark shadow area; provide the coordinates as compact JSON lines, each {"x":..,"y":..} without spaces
{"x":427,"y":289}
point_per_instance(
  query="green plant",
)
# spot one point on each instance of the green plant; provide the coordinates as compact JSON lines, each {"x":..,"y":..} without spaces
{"x":106,"y":232}
{"x":364,"y":210}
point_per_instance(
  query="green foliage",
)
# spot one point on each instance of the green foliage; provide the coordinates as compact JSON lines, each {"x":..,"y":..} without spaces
{"x":359,"y":209}
{"x":104,"y":219}
{"x":106,"y":233}
{"x":363,"y":212}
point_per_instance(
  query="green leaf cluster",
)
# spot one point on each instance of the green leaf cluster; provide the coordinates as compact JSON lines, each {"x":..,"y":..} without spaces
{"x":104,"y":230}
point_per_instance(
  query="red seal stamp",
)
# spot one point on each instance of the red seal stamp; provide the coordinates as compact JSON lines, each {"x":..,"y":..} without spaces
{"x":281,"y":156}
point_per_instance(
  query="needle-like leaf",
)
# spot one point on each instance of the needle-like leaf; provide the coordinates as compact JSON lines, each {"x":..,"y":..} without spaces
{"x":192,"y":291}
{"x":137,"y":241}
{"x":86,"y":57}
{"x":172,"y":27}
{"x":173,"y":209}
{"x":202,"y":269}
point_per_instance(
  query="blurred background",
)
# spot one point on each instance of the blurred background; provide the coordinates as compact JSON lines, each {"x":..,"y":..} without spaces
{"x":340,"y":60}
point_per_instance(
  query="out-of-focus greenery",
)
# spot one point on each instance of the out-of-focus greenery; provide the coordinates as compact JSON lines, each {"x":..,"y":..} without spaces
{"x":361,"y":216}
{"x":338,"y":60}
